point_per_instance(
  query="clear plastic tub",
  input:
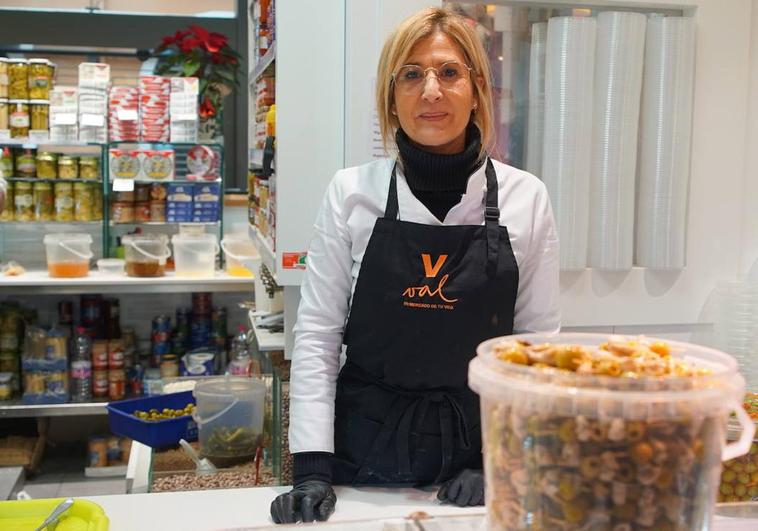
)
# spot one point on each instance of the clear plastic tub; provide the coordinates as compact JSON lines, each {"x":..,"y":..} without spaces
{"x":229,"y":417}
{"x":68,"y":255}
{"x":110,"y":266}
{"x":242,"y":258}
{"x":571,"y":451}
{"x":195,"y":255}
{"x":146,"y":254}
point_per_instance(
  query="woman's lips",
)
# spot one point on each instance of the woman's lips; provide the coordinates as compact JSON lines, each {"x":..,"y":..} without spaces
{"x":433,"y":116}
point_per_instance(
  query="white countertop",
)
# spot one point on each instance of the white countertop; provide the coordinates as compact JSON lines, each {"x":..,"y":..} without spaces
{"x":244,"y":508}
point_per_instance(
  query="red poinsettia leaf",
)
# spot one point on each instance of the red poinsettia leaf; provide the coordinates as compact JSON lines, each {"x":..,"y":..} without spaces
{"x":190,"y":44}
{"x":201,"y":33}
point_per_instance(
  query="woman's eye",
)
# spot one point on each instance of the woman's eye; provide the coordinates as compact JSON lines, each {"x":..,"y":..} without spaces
{"x":450,"y":72}
{"x":411,"y":75}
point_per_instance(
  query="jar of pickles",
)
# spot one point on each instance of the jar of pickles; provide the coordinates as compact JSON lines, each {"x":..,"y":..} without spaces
{"x":89,"y":167}
{"x":18,"y":118}
{"x":7,"y":212}
{"x":83,"y":202}
{"x":42,"y":195}
{"x":6,"y":162}
{"x":47,"y":165}
{"x":39,"y":111}
{"x":3,"y":113}
{"x":40,"y":79}
{"x":68,"y":167}
{"x":23,"y":202}
{"x":3,"y":78}
{"x":97,"y":202}
{"x":26,"y":163}
{"x":64,"y":201}
{"x":18,"y":71}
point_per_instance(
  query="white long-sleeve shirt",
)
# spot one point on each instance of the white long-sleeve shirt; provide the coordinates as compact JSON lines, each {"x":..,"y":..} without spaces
{"x":353,"y":201}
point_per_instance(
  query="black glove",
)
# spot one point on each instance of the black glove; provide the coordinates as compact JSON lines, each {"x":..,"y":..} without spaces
{"x":308,"y":501}
{"x":465,"y":489}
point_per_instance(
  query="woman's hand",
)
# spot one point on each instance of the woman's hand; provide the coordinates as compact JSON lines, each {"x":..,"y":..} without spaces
{"x":465,"y":490}
{"x":311,"y":500}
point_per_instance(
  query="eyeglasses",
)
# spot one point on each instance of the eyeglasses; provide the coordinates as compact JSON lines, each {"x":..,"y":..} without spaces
{"x":411,"y":78}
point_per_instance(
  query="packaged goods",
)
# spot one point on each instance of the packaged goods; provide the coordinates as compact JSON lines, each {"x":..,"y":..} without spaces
{"x":64,"y":110}
{"x":157,"y":164}
{"x":47,"y":165}
{"x":157,"y":211}
{"x":42,"y":195}
{"x":89,"y":167}
{"x":40,"y":79}
{"x":122,"y":212}
{"x":124,"y":164}
{"x":64,"y":201}
{"x":100,"y":383}
{"x":154,"y":94}
{"x":141,"y":193}
{"x":18,"y":118}
{"x":6,"y":385}
{"x":142,"y":211}
{"x":202,"y":163}
{"x":26,"y":163}
{"x":68,"y":167}
{"x":40,"y":115}
{"x":18,"y":71}
{"x":123,"y":114}
{"x":116,"y":384}
{"x":183,"y":109}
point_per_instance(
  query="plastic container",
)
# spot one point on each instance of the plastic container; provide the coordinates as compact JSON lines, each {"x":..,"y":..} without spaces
{"x":229,"y":417}
{"x":111,"y":266}
{"x":68,"y":254}
{"x":146,"y":254}
{"x":242,"y":258}
{"x":566,"y":450}
{"x":195,"y":255}
{"x":154,"y":434}
{"x":29,"y":514}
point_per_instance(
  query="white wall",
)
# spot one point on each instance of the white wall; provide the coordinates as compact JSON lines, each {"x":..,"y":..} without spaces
{"x":750,"y":217}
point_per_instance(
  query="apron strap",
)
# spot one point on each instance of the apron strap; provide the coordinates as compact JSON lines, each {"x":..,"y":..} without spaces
{"x":491,"y":219}
{"x":391,"y":210}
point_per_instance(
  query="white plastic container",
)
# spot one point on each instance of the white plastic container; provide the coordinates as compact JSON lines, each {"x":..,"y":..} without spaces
{"x":242,"y":258}
{"x":195,"y":255}
{"x":68,"y":254}
{"x":566,"y":450}
{"x":111,"y":266}
{"x":229,"y":416}
{"x":146,"y":254}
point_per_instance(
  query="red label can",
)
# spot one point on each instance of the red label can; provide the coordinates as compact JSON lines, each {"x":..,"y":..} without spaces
{"x":100,"y":355}
{"x":116,"y":384}
{"x":100,"y":384}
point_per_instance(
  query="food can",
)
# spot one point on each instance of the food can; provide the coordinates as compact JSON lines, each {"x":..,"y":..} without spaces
{"x":97,"y":452}
{"x":161,"y":328}
{"x":157,"y":211}
{"x":135,"y":378}
{"x":116,"y":384}
{"x":100,"y":354}
{"x":100,"y":383}
{"x":115,"y":354}
{"x":169,"y":366}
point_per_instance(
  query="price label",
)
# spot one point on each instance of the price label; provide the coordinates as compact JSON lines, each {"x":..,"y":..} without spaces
{"x":127,"y":115}
{"x":64,"y":118}
{"x":92,"y":120}
{"x":38,"y":136}
{"x":123,"y":185}
{"x":5,"y":134}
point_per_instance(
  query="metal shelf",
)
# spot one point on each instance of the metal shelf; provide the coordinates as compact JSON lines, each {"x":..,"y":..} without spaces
{"x":25,"y":142}
{"x":40,"y":282}
{"x":98,"y":223}
{"x":173,"y":181}
{"x":170,"y":144}
{"x":162,"y":223}
{"x":16,"y":409}
{"x":268,"y":256}
{"x":56,"y":180}
{"x":267,"y":341}
{"x":262,"y":64}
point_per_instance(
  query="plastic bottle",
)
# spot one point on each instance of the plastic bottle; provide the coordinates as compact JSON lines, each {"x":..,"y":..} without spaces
{"x":81,"y":367}
{"x":239,"y":357}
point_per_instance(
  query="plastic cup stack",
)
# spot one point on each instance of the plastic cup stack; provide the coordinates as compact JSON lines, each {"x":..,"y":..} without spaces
{"x":736,"y":325}
{"x":536,"y":123}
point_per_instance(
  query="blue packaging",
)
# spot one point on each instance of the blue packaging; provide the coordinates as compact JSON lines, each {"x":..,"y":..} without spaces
{"x":207,"y":193}
{"x":180,"y":193}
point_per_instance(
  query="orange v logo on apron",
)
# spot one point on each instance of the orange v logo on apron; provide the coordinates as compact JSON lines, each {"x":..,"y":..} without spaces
{"x":432,"y":270}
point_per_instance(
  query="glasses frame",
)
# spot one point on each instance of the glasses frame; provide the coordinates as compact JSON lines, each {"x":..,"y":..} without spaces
{"x":424,"y":71}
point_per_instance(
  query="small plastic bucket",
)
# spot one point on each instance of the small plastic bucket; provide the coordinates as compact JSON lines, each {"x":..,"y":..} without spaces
{"x":146,"y":254}
{"x":68,"y":254}
{"x":195,"y":255}
{"x":572,"y":451}
{"x":242,"y":258}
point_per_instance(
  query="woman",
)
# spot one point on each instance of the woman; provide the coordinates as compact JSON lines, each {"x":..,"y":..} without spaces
{"x":415,"y":261}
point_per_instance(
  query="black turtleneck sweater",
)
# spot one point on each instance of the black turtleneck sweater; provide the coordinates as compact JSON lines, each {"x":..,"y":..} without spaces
{"x":439,"y":181}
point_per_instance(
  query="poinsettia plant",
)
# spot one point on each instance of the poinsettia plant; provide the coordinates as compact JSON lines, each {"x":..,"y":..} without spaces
{"x":206,"y":55}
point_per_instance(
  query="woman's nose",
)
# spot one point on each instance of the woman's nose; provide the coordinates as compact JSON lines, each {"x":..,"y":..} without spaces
{"x":432,"y":90}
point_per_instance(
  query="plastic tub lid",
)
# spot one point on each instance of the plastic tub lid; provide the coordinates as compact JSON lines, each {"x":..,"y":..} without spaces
{"x":68,"y":237}
{"x":229,"y":386}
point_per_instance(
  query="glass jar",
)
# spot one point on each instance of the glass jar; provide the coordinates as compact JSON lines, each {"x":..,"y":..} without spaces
{"x":42,"y":195}
{"x":18,"y":118}
{"x":64,"y":201}
{"x":3,"y":77}
{"x":82,"y":202}
{"x":18,"y":70}
{"x":89,"y":168}
{"x":7,"y":212}
{"x":40,"y":79}
{"x":97,"y":202}
{"x":6,"y":162}
{"x":47,"y":165}
{"x":23,"y":201}
{"x":26,"y":163}
{"x":68,"y":167}
{"x":3,"y":113}
{"x":39,"y":111}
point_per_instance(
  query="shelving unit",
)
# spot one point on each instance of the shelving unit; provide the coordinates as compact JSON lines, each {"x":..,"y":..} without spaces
{"x":16,"y":409}
{"x":267,"y":340}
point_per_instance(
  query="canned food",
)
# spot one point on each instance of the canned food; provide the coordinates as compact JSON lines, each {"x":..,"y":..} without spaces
{"x":17,"y":79}
{"x":116,"y":384}
{"x":100,"y":354}
{"x":89,"y":167}
{"x":64,"y":201}
{"x":115,"y":354}
{"x":42,"y":195}
{"x":157,"y":211}
{"x":23,"y":201}
{"x":169,"y":366}
{"x":18,"y":118}
{"x":26,"y":163}
{"x":40,"y":78}
{"x":142,"y":211}
{"x":47,"y":165}
{"x":3,"y":113}
{"x":68,"y":167}
{"x":97,"y":454}
{"x":100,"y":383}
{"x":141,"y":193}
{"x":40,"y":112}
{"x":122,"y":212}
{"x":83,"y":199}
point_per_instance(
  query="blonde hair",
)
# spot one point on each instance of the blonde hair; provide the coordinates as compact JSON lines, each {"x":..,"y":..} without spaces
{"x":397,"y":49}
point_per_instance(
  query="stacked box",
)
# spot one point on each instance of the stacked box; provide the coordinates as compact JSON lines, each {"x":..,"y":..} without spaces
{"x":94,"y":80}
{"x":183,"y":109}
{"x":179,"y":203}
{"x":64,"y":110}
{"x":154,"y":93}
{"x":207,"y":200}
{"x":123,"y":114}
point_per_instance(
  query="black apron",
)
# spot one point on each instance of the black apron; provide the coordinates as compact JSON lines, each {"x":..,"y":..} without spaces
{"x":426,"y":296}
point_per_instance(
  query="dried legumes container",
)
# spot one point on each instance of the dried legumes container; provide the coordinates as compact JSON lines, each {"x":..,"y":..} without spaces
{"x":586,"y":431}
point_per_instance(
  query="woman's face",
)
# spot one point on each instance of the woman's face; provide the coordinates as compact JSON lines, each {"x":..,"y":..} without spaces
{"x":435,"y":115}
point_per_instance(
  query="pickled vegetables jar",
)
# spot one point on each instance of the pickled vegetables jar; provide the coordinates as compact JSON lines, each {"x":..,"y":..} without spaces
{"x":42,"y":195}
{"x":47,"y":165}
{"x":40,"y":79}
{"x":3,"y":77}
{"x":39,"y":111}
{"x":83,"y":198}
{"x":26,"y":163}
{"x":97,"y":201}
{"x":18,"y":70}
{"x":3,"y":113}
{"x":68,"y":167}
{"x":7,"y":212}
{"x":23,"y":201}
{"x":18,"y":118}
{"x":89,"y":167}
{"x":64,"y":201}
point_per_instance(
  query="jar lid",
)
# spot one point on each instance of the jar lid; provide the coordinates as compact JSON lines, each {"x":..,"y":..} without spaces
{"x":3,"y":60}
{"x":88,"y":160}
{"x":39,"y":61}
{"x":17,"y":60}
{"x":39,"y":102}
{"x":67,"y":237}
{"x":18,"y":102}
{"x":4,"y":100}
{"x":67,"y":159}
{"x":47,"y":154}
